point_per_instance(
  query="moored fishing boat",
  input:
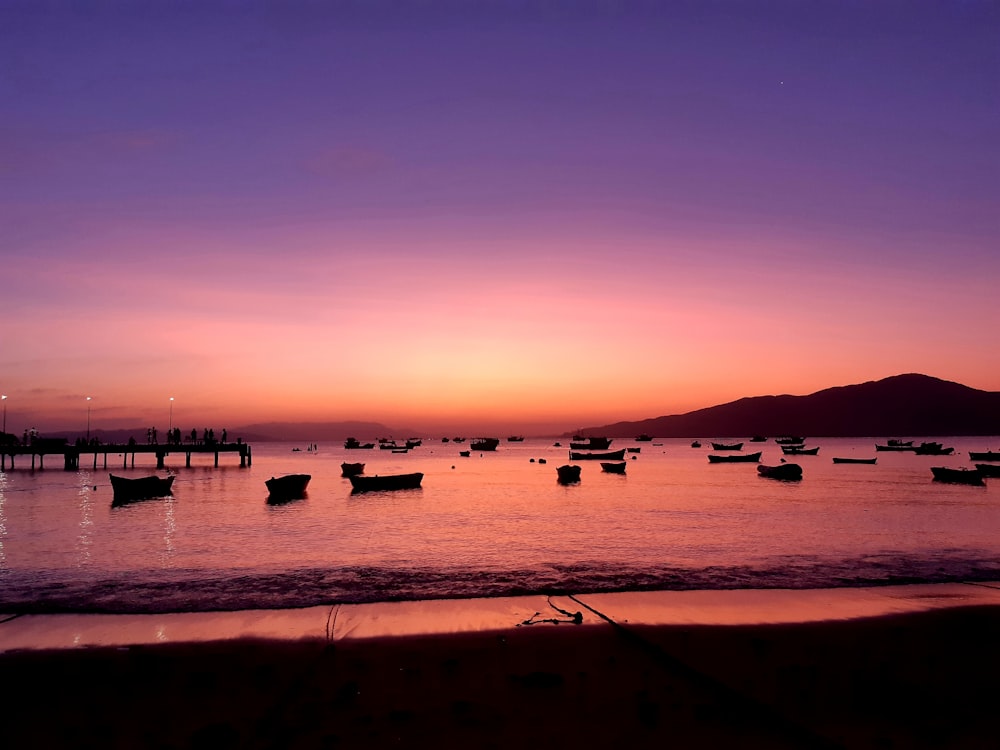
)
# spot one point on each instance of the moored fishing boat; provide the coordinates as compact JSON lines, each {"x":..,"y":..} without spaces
{"x":590,"y":444}
{"x":126,"y":489}
{"x":787,"y":472}
{"x":351,"y":470}
{"x":735,"y":458}
{"x":988,"y":470}
{"x":614,"y":467}
{"x":957,"y":476}
{"x":727,"y":446}
{"x":790,"y":440}
{"x":484,"y":444}
{"x":849,"y":460}
{"x":932,"y":449}
{"x":984,"y":455}
{"x":798,"y":450}
{"x":287,"y":486}
{"x":597,"y":455}
{"x":354,"y":444}
{"x":361,"y":483}
{"x":568,"y":474}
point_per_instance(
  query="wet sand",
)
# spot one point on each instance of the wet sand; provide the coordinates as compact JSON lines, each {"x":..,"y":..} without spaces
{"x":925,"y":678}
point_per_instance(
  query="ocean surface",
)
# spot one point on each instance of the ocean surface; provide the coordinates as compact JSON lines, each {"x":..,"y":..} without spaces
{"x":490,"y":524}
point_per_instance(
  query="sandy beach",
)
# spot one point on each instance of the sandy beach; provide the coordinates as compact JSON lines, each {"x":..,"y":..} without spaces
{"x":912,"y":667}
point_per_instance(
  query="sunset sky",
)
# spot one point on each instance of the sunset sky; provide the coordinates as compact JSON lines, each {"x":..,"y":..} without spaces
{"x":487,"y":216}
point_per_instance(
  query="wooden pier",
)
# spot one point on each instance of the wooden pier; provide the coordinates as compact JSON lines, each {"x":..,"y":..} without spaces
{"x":72,"y":453}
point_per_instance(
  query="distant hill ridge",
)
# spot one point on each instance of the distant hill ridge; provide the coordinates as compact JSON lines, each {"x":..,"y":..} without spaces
{"x":910,"y":404}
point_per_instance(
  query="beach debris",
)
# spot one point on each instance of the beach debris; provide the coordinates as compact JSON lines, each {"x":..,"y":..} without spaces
{"x":575,"y":618}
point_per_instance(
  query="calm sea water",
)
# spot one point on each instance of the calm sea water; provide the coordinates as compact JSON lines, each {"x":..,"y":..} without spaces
{"x":487,"y":525}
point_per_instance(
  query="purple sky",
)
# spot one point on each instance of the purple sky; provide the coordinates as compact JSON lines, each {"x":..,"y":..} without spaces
{"x":524,"y":202}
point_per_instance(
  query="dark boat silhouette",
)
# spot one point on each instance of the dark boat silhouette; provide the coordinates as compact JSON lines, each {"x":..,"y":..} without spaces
{"x":847,"y":460}
{"x":351,"y":470}
{"x":568,"y":474}
{"x":484,"y":444}
{"x":786,"y":472}
{"x":988,"y":470}
{"x":591,"y":444}
{"x":932,"y":449}
{"x":751,"y":458}
{"x":614,"y":467}
{"x":141,"y":488}
{"x":353,"y":444}
{"x":386,"y":482}
{"x":984,"y":455}
{"x":287,"y":487}
{"x":957,"y":476}
{"x":790,"y":440}
{"x":798,"y":450}
{"x":727,"y":446}
{"x":597,"y":456}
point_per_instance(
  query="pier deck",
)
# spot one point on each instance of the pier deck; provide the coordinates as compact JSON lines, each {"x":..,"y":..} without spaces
{"x":72,"y":453}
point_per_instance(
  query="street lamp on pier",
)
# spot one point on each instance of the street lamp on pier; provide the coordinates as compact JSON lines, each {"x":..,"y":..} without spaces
{"x":4,"y":399}
{"x":170,"y":422}
{"x":88,"y":419}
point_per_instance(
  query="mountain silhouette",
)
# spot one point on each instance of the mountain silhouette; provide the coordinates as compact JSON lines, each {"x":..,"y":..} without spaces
{"x":910,"y":404}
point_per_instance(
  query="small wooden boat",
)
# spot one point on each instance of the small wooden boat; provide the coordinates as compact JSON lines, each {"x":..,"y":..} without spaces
{"x":126,"y":489}
{"x":932,"y":449}
{"x":790,"y":440}
{"x":727,"y":446}
{"x":637,"y":449}
{"x":895,"y":446}
{"x":287,"y":487}
{"x":386,"y":482}
{"x":597,"y":456}
{"x":465,"y":454}
{"x":740,"y":458}
{"x":798,"y":450}
{"x":786,"y":472}
{"x":353,"y":444}
{"x":842,"y":460}
{"x":988,"y":470}
{"x":568,"y":474}
{"x":351,"y":470}
{"x":515,"y":439}
{"x":984,"y":455}
{"x":758,"y":439}
{"x":696,"y":444}
{"x":643,"y":438}
{"x":591,"y":444}
{"x":957,"y":476}
{"x":614,"y":467}
{"x":484,"y":444}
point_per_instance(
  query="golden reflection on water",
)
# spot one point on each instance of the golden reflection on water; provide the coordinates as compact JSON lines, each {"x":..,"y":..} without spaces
{"x":85,"y":541}
{"x":169,"y":529}
{"x":3,"y":519}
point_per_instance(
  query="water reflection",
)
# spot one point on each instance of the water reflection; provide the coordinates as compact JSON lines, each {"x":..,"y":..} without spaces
{"x":3,"y":520}
{"x":84,"y":540}
{"x":169,"y":529}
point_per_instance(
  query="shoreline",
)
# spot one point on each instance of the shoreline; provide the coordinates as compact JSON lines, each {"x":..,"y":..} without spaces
{"x":908,"y":666}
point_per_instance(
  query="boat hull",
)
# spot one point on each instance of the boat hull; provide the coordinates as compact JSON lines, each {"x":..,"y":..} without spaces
{"x":568,"y":474}
{"x":351,"y":470}
{"x":746,"y":458}
{"x":838,"y":460}
{"x":592,"y":456}
{"x":287,"y":487}
{"x":784,"y":472}
{"x":614,"y":467}
{"x":386,"y":482}
{"x":141,"y":488}
{"x":984,"y":455}
{"x":957,"y":476}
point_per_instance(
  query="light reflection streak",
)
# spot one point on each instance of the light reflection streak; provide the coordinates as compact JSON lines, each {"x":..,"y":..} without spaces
{"x":169,"y":528}
{"x":85,"y":539}
{"x":3,"y":519}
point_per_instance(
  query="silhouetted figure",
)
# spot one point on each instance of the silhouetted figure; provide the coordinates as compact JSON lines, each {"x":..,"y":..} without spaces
{"x":223,"y":435}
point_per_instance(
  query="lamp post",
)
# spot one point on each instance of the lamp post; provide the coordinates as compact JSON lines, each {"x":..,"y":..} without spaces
{"x":88,"y":419}
{"x":4,"y":398}
{"x":170,"y":422}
